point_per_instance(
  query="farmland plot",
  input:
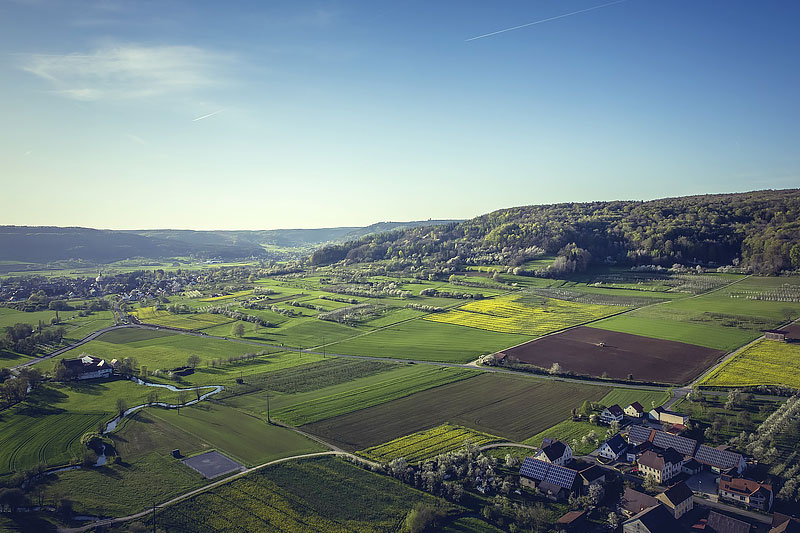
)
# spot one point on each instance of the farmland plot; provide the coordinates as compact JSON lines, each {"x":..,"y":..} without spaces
{"x":509,"y":406}
{"x":528,"y":315}
{"x":426,"y":444}
{"x":320,"y":494}
{"x":764,"y":363}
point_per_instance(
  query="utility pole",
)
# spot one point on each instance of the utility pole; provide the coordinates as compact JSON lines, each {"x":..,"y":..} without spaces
{"x":154,"y":516}
{"x":323,"y":346}
{"x":268,"y":420}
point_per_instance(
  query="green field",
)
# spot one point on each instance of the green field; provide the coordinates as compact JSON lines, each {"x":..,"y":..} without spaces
{"x":122,"y":488}
{"x":374,"y":390}
{"x":427,"y":444}
{"x":718,"y":320}
{"x":764,"y":363}
{"x":509,"y":406}
{"x":155,"y":350}
{"x":320,"y":494}
{"x":47,"y":426}
{"x":246,"y":438}
{"x":428,"y":341}
{"x":198,"y":321}
{"x":624,"y":397}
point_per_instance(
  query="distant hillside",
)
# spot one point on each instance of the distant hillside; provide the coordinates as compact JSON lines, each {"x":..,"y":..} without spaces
{"x":47,"y":244}
{"x":759,"y":229}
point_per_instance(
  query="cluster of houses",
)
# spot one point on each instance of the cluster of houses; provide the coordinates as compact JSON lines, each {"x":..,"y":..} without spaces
{"x":557,"y":474}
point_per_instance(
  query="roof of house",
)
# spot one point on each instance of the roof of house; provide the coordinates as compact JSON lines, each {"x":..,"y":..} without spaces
{"x":683,"y":445}
{"x":86,"y":363}
{"x":617,"y":444}
{"x":571,"y":517}
{"x":637,"y":406}
{"x":640,"y":434}
{"x":554,"y":450}
{"x":615,"y":410}
{"x":676,"y":494}
{"x":657,"y":520}
{"x":634,"y":501}
{"x":692,"y":464}
{"x":716,"y":457}
{"x":548,"y":486}
{"x":741,"y":485}
{"x":719,"y":523}
{"x":592,"y":473}
{"x":658,"y":459}
{"x":542,"y":471}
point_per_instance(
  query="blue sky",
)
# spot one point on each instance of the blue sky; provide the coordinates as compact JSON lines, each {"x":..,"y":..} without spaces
{"x":348,"y":113}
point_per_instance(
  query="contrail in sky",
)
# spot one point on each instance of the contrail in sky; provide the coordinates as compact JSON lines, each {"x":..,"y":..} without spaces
{"x":545,"y":20}
{"x":209,"y":115}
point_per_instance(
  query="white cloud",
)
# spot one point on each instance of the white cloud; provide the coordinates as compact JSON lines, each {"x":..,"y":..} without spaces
{"x":128,"y":71}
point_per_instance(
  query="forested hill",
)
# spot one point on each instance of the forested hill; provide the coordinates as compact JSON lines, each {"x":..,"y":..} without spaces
{"x":759,"y":229}
{"x":43,"y":244}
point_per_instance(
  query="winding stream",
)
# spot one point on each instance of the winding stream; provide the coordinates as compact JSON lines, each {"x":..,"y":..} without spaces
{"x":111,"y":426}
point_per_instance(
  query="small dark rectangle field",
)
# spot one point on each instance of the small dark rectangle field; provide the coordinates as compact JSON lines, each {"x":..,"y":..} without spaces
{"x":592,"y":351}
{"x":212,"y":464}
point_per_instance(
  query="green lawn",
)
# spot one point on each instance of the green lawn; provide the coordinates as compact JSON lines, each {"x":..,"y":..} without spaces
{"x":568,"y":430}
{"x":625,"y":397}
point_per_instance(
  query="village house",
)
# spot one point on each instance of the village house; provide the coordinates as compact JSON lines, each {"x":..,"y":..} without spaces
{"x":659,"y":414}
{"x":663,"y":465}
{"x":654,"y":519}
{"x":678,"y":499}
{"x":87,"y":367}
{"x":613,"y":413}
{"x":720,"y":460}
{"x":554,"y":451}
{"x":745,"y":492}
{"x":634,"y":502}
{"x":613,"y":448}
{"x":594,"y":475}
{"x":635,"y":410}
{"x":573,"y":521}
{"x":691,"y":467}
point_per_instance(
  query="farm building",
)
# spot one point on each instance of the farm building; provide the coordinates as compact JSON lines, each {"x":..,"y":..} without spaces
{"x":776,"y":335}
{"x":745,"y":492}
{"x":592,"y":476}
{"x":613,"y":447}
{"x":659,"y":414}
{"x":635,"y":410}
{"x":691,"y":467}
{"x":634,"y":502}
{"x":663,"y":465}
{"x":783,"y":523}
{"x":87,"y":367}
{"x":613,"y":413}
{"x":678,"y":499}
{"x":654,"y":519}
{"x":720,"y":523}
{"x":573,"y":521}
{"x":554,"y":451}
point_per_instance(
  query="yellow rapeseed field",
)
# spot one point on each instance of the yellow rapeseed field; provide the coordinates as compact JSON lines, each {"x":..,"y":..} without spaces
{"x":527,"y":315}
{"x":764,"y":363}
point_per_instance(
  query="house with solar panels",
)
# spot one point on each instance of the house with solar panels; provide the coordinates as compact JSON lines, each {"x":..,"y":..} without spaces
{"x":555,"y":481}
{"x":718,"y":460}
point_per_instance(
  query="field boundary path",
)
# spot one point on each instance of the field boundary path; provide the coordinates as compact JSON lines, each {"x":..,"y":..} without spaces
{"x":506,"y":445}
